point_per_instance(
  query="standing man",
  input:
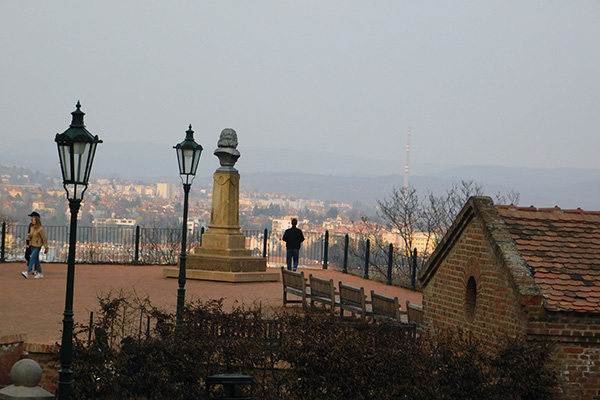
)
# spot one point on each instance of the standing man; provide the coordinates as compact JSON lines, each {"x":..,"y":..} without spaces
{"x":293,"y":238}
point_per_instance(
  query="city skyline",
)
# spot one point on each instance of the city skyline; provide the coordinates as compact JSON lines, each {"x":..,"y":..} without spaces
{"x":562,"y":187}
{"x":124,"y":202}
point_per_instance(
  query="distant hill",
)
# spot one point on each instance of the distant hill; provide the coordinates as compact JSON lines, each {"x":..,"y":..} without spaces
{"x":539,"y":187}
{"x":152,"y":160}
{"x":542,"y":187}
{"x":328,"y":176}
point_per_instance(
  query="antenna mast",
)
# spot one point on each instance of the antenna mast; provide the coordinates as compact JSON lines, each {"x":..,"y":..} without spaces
{"x":407,"y":159}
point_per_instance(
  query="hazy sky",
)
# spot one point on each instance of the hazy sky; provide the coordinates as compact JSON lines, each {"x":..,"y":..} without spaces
{"x":513,"y":83}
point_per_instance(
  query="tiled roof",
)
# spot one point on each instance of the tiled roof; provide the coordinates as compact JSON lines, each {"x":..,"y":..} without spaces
{"x":562,"y":249}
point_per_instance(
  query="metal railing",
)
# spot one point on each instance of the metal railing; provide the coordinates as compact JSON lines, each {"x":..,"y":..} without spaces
{"x":162,"y":246}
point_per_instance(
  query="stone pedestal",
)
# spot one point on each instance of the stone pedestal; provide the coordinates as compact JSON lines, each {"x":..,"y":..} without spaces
{"x":26,"y":375}
{"x":223,"y":255}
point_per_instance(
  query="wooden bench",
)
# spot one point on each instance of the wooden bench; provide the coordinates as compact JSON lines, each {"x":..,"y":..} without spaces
{"x":385,"y":308}
{"x":294,"y":283}
{"x":354,"y":300}
{"x":322,"y":291}
{"x":414,"y":315}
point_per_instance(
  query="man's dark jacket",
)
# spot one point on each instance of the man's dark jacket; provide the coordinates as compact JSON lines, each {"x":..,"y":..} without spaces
{"x":293,"y":237}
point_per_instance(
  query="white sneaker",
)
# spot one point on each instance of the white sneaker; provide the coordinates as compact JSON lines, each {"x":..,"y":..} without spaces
{"x":39,"y":276}
{"x":24,"y":273}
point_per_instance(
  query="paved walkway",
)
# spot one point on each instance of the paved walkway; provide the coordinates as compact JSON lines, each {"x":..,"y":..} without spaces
{"x":35,"y":306}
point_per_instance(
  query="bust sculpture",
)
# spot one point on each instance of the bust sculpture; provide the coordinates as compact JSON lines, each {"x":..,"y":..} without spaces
{"x":227,"y":150}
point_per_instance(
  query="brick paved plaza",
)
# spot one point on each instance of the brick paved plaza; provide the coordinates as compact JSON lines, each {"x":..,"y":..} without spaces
{"x":35,"y":306}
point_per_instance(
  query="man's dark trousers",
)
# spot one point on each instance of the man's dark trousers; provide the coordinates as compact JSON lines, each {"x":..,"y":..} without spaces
{"x":292,"y":255}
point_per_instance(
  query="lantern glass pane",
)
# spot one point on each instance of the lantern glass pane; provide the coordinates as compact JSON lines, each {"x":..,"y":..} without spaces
{"x":196,"y":161}
{"x":64,"y":153}
{"x":90,"y":160}
{"x":79,"y":147}
{"x":188,"y":163}
{"x":180,"y":160}
{"x":81,"y":155}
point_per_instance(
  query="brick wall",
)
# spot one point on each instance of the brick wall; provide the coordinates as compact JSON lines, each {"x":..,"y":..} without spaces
{"x":47,"y":356}
{"x":448,"y":297}
{"x":11,"y":351}
{"x":576,"y":353}
{"x":579,"y":370}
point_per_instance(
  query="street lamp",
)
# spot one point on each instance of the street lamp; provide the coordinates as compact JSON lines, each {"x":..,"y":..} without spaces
{"x":188,"y":157}
{"x":76,"y":150}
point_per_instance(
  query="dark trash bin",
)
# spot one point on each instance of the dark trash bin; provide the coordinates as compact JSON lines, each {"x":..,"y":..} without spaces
{"x":230,"y":386}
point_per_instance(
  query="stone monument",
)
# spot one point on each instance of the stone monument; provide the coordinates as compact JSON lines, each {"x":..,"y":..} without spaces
{"x":223,"y":255}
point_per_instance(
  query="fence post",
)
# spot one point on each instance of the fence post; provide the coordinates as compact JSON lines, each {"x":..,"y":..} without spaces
{"x":201,"y":234}
{"x":346,"y":243}
{"x":136,"y":260}
{"x":326,"y":250}
{"x":413,"y":274}
{"x":2,"y":258}
{"x":265,"y":239}
{"x":367,"y":251}
{"x":390,"y":261}
{"x":91,"y":327}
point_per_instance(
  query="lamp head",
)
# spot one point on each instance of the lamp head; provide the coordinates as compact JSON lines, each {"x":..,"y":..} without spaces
{"x":188,"y":157}
{"x":76,"y":150}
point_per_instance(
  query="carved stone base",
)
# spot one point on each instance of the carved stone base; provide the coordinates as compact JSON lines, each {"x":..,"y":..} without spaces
{"x":224,"y":268}
{"x":225,"y":262}
{"x":221,"y":276}
{"x":218,"y":238}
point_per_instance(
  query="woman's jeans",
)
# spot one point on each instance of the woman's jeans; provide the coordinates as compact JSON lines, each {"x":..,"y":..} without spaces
{"x":35,"y":260}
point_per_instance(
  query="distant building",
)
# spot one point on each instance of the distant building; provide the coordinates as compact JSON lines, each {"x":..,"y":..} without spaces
{"x":195,"y":224}
{"x":280,"y":225}
{"x":165,"y":190}
{"x":37,"y":205}
{"x":423,"y":242}
{"x":341,"y":206}
{"x":41,"y":208}
{"x":114,"y":222}
{"x":14,"y":191}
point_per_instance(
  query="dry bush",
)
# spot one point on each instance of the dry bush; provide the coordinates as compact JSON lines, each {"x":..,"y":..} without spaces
{"x":297,"y":356}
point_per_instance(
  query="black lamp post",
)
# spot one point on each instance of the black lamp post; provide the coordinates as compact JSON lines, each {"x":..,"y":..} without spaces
{"x":76,"y":150}
{"x":188,"y":156}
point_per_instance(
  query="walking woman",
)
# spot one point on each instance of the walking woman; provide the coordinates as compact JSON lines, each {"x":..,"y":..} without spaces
{"x":37,"y":239}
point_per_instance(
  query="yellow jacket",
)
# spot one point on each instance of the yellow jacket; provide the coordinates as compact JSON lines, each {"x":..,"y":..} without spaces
{"x":37,"y":237}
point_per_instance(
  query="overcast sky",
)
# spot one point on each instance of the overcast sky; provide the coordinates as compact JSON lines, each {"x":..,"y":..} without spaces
{"x":511,"y":83}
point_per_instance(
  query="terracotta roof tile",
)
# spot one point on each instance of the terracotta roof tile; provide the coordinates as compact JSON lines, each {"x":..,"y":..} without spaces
{"x":562,"y":249}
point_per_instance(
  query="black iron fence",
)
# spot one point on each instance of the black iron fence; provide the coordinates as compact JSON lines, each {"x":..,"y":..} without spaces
{"x":162,"y":246}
